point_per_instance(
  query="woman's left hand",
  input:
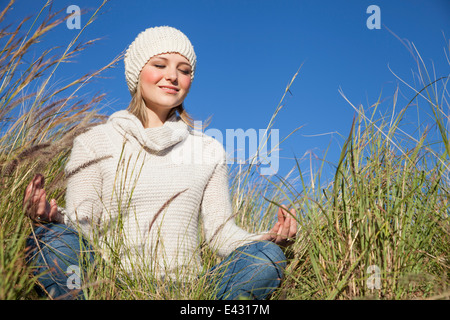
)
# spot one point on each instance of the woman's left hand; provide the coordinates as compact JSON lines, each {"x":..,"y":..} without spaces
{"x":284,"y":231}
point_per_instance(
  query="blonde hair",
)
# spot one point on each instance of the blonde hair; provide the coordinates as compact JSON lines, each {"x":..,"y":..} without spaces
{"x":138,"y":108}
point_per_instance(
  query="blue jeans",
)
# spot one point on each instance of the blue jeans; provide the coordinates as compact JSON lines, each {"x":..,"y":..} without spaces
{"x":56,"y":253}
{"x":252,"y":271}
{"x":60,"y":256}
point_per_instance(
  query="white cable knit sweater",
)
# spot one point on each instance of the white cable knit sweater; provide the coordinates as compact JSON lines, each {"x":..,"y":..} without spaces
{"x":120,"y":177}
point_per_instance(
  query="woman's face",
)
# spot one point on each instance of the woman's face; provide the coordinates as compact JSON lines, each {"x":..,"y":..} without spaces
{"x":165,"y":81}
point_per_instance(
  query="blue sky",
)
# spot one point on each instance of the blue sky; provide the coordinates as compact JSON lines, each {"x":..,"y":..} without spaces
{"x":249,"y":50}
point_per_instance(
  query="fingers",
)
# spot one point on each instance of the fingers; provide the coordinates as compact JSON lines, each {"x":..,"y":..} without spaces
{"x":53,"y":212}
{"x":35,"y":202}
{"x":29,"y":198}
{"x":281,"y":214}
{"x":36,"y":184}
{"x":285,"y":229}
{"x":39,"y":180}
{"x":287,"y":226}
{"x":292,"y":225}
{"x":29,"y":191}
{"x":41,"y":201}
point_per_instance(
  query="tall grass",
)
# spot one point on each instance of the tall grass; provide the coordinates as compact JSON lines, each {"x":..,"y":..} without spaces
{"x":384,"y":209}
{"x":38,"y":123}
{"x":381,"y":227}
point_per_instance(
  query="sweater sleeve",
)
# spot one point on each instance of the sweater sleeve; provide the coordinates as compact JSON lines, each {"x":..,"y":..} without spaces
{"x":220,"y":228}
{"x":84,"y":189}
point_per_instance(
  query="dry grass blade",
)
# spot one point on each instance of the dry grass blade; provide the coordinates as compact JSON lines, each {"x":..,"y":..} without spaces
{"x":164,"y":206}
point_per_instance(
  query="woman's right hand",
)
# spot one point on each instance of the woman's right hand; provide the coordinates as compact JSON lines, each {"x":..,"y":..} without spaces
{"x":35,"y":203}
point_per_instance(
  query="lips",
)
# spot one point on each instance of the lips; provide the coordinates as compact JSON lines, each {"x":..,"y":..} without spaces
{"x":169,"y":89}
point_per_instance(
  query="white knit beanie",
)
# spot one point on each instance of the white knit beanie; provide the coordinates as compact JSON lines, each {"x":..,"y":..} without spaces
{"x":151,"y":42}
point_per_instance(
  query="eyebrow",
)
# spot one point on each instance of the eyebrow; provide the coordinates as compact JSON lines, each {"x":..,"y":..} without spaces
{"x":182,"y":62}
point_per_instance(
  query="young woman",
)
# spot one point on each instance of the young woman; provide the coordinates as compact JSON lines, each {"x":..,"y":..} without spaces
{"x":146,"y":176}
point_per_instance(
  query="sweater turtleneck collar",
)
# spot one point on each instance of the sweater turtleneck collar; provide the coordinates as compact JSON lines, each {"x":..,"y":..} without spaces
{"x":174,"y":130}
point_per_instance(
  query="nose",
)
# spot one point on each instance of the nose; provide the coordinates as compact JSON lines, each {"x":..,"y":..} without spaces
{"x":171,"y":74}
